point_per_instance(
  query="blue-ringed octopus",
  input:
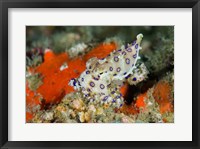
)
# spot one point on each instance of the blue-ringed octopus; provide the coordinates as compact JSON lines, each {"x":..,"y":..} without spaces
{"x":102,"y":79}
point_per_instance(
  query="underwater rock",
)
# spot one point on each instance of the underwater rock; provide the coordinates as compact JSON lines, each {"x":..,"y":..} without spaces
{"x":77,"y":104}
{"x":77,"y":50}
{"x":102,"y":79}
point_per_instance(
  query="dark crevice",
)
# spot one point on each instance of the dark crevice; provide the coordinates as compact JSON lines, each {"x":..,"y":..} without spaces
{"x":142,"y":87}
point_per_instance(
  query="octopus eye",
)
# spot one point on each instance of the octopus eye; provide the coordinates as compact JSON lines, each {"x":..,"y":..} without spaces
{"x":136,"y":46}
{"x":127,"y":61}
{"x":111,"y":69}
{"x":102,"y":86}
{"x":105,"y":98}
{"x":134,"y":42}
{"x":129,"y":50}
{"x":118,"y":69}
{"x":116,"y":59}
{"x":125,"y":73}
{"x":87,"y":72}
{"x":92,"y":84}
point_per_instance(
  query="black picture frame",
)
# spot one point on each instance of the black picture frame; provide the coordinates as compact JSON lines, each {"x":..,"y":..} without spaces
{"x":6,"y":4}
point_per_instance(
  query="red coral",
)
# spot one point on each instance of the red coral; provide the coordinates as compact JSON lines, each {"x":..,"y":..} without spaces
{"x":129,"y":109}
{"x":52,"y":63}
{"x":124,"y":89}
{"x":32,"y":100}
{"x":140,"y":101}
{"x":162,"y":95}
{"x":29,"y":116}
{"x":100,"y":51}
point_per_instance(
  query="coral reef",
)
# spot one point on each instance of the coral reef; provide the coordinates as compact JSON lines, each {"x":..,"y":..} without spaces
{"x":47,"y":83}
{"x":76,"y":75}
{"x":73,"y":108}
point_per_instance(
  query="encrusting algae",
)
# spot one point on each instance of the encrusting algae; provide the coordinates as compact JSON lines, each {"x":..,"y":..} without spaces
{"x":89,"y":86}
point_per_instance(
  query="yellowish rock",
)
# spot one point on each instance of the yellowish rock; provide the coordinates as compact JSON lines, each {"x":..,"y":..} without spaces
{"x":81,"y":117}
{"x":99,"y":111}
{"x":61,"y":108}
{"x":87,"y":117}
{"x":92,"y":108}
{"x":78,"y":104}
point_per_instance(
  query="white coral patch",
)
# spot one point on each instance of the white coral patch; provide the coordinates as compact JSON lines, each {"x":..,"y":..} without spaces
{"x":77,"y":49}
{"x":64,"y":66}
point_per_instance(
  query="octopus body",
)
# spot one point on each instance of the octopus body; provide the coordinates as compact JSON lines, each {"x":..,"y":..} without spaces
{"x":102,"y":79}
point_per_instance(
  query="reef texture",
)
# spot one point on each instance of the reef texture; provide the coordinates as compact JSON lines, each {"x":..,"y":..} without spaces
{"x":89,"y":81}
{"x":48,"y":82}
{"x":154,"y":106}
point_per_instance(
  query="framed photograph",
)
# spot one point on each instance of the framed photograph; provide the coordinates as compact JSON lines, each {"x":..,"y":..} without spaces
{"x":103,"y":74}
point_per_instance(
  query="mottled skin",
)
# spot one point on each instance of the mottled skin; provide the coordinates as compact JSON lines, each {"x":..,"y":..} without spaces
{"x":103,"y":77}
